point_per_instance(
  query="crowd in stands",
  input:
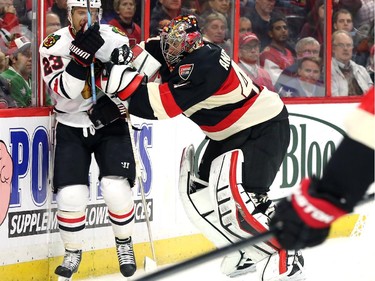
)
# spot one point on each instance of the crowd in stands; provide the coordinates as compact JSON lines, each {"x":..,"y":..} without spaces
{"x":282,"y":43}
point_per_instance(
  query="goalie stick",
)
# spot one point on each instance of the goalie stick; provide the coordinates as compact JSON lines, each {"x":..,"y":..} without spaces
{"x":224,"y":251}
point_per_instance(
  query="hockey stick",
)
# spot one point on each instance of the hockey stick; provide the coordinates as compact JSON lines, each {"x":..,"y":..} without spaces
{"x":208,"y":256}
{"x":225,"y":250}
{"x":92,"y":72}
{"x":148,"y":263}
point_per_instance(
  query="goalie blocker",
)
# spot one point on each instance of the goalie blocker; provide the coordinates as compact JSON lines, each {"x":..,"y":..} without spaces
{"x":225,"y":213}
{"x":122,"y":80}
{"x":119,"y":82}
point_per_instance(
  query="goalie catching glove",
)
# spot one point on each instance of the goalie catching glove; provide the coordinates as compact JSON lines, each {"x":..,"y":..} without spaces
{"x":86,"y":44}
{"x":305,"y":219}
{"x":119,"y":80}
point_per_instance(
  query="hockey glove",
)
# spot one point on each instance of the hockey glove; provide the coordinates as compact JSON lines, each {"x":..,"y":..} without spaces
{"x":122,"y":55}
{"x":86,"y":44}
{"x":304,"y":220}
{"x":106,"y":111}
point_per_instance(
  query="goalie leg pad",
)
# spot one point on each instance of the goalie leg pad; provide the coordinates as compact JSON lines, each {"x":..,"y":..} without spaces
{"x":197,"y":204}
{"x":200,"y":208}
{"x":284,"y":266}
{"x":245,"y":214}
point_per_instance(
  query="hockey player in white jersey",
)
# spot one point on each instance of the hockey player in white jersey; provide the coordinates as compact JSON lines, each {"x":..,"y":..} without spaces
{"x":65,"y":58}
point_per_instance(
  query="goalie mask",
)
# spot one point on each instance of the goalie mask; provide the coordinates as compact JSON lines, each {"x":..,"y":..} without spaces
{"x":180,"y":37}
{"x":94,"y":4}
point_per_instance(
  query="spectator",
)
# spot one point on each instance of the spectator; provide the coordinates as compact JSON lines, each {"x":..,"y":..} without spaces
{"x":342,"y":20}
{"x":276,"y":56}
{"x":192,"y":5}
{"x":125,"y":11}
{"x":60,"y":8}
{"x":305,"y":47}
{"x":9,"y":23}
{"x":351,"y":5}
{"x":246,"y":6}
{"x":314,"y":27}
{"x":18,"y":74}
{"x":365,"y":14}
{"x":24,"y":12}
{"x":214,"y":30}
{"x":165,"y":10}
{"x":108,"y":12}
{"x":203,"y":6}
{"x":307,"y":83}
{"x":249,"y":60}
{"x":4,"y":62}
{"x":363,"y":40}
{"x":6,"y":99}
{"x":52,"y":23}
{"x":245,"y":25}
{"x":348,"y":78}
{"x":218,"y":6}
{"x":260,"y":17}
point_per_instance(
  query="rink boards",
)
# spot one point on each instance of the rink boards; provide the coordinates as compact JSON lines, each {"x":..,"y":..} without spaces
{"x":30,"y":245}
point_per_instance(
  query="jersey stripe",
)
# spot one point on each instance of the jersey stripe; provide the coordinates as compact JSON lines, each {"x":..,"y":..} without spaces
{"x":253,"y":114}
{"x":162,"y":101}
{"x":230,"y":84}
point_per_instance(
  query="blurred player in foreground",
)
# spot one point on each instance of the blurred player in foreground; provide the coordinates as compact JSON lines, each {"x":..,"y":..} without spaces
{"x":305,"y":217}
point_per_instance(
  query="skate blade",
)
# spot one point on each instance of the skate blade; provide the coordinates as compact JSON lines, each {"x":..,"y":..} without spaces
{"x":61,"y":278}
{"x":149,"y":264}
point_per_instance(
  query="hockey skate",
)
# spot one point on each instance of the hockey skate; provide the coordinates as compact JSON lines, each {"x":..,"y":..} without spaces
{"x":237,"y":264}
{"x":70,"y":265}
{"x":264,"y":207}
{"x":125,"y":254}
{"x":294,"y":268}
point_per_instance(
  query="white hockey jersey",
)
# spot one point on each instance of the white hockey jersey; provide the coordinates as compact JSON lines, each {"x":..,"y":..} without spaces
{"x":73,"y":96}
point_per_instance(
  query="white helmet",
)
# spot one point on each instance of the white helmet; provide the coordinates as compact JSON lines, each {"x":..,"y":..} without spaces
{"x":83,"y":3}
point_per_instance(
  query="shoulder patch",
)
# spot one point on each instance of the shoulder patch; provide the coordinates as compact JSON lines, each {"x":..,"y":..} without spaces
{"x":184,"y":71}
{"x":117,"y":30}
{"x":51,"y":40}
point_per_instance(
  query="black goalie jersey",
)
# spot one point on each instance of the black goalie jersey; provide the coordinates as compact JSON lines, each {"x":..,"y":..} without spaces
{"x":211,"y":90}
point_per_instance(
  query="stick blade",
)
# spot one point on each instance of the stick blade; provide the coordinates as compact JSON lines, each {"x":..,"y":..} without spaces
{"x":150,"y":265}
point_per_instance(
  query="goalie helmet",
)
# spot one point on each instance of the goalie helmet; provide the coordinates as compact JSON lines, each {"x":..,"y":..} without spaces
{"x":180,"y":37}
{"x":83,"y":3}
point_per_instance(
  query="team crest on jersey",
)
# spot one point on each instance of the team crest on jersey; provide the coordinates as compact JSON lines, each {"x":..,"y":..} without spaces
{"x":185,"y":70}
{"x":51,"y":40}
{"x":117,"y":30}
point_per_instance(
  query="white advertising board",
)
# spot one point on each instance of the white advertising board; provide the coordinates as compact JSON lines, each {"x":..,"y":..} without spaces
{"x":28,"y":228}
